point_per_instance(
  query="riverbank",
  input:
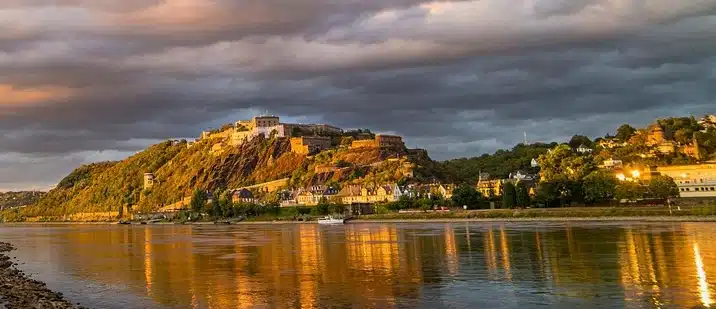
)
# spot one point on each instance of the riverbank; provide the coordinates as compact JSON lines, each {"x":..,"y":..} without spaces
{"x":649,"y":214}
{"x":19,"y":291}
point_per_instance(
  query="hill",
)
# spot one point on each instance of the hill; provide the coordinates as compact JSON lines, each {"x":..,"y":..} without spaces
{"x":179,"y":168}
{"x":17,"y":199}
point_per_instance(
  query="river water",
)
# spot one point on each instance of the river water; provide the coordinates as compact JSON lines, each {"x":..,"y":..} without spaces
{"x":437,"y":265}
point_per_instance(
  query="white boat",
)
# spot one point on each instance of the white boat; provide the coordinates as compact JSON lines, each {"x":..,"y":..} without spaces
{"x":331,"y":220}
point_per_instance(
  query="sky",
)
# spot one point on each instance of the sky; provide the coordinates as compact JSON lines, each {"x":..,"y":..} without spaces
{"x":92,"y":80}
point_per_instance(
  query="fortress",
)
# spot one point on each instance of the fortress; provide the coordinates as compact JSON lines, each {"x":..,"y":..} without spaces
{"x":380,"y":141}
{"x":267,"y":125}
{"x":306,"y":139}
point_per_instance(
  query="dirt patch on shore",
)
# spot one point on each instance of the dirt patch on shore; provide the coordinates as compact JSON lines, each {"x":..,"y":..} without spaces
{"x":17,"y":291}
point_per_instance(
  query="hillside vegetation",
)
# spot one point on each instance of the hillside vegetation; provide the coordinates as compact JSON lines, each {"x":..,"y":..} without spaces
{"x":179,"y":170}
{"x":17,"y":199}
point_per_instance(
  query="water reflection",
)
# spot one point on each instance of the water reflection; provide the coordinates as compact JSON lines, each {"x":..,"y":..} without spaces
{"x":384,"y":265}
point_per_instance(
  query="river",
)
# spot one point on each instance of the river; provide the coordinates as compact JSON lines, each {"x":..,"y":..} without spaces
{"x":436,"y":265}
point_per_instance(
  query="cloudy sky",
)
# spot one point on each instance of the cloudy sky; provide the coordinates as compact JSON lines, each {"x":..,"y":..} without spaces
{"x":91,"y":80}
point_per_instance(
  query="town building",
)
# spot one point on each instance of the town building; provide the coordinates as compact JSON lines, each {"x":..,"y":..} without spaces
{"x":584,"y":149}
{"x":357,"y":194}
{"x":243,"y":196}
{"x":612,"y":163}
{"x":490,"y":187}
{"x":696,"y":180}
{"x":610,"y":143}
{"x":310,"y":144}
{"x":313,"y":195}
{"x":534,"y":163}
{"x":446,"y":190}
{"x":522,"y":176}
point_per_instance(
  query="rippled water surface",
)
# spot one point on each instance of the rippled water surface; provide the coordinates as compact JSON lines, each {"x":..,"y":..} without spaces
{"x":460,"y":265}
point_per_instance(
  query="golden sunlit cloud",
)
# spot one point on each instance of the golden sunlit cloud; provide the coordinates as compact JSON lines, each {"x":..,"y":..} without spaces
{"x":10,"y":95}
{"x":435,"y":7}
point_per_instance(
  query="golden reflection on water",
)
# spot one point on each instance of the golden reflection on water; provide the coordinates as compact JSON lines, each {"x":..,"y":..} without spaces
{"x":703,"y":284}
{"x":359,"y":265}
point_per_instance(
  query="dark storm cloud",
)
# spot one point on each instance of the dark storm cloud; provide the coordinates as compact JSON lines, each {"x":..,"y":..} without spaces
{"x":82,"y":81}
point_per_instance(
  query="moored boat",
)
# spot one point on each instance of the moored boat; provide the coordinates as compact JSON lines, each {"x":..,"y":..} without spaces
{"x":331,"y":220}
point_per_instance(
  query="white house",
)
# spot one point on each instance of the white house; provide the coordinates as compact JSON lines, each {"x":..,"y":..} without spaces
{"x":584,"y":149}
{"x":611,"y":163}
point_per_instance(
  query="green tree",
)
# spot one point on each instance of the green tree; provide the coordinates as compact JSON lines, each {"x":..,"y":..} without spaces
{"x":548,"y":193}
{"x":466,"y":195}
{"x":563,"y":164}
{"x":599,"y":186}
{"x":579,"y":140}
{"x":523,"y":195}
{"x":336,"y":209}
{"x":629,"y":190}
{"x":322,"y":208}
{"x":663,"y":186}
{"x":223,"y":205}
{"x":625,"y":132}
{"x":198,"y":200}
{"x":509,"y":196}
{"x":425,"y":204}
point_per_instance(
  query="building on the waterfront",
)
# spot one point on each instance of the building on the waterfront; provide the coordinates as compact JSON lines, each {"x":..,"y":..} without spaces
{"x":357,"y":194}
{"x":313,"y":195}
{"x":243,"y":196}
{"x":490,"y":187}
{"x":696,"y":180}
{"x":446,"y":190}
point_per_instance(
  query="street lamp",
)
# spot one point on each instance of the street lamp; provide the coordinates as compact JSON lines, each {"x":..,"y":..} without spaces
{"x":635,"y":174}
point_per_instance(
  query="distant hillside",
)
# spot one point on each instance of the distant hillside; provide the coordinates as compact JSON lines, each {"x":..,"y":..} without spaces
{"x":629,"y":145}
{"x":210,"y":164}
{"x":498,"y":165}
{"x":17,"y":199}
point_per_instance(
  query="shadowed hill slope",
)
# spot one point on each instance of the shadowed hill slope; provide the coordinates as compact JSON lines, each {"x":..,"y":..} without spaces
{"x":180,"y":169}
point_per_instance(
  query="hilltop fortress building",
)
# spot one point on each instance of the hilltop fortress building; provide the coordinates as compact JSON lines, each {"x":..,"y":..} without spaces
{"x":305,"y":139}
{"x":268,"y":125}
{"x":380,"y":141}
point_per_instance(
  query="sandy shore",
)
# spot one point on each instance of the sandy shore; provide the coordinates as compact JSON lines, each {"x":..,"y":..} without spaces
{"x":19,"y":291}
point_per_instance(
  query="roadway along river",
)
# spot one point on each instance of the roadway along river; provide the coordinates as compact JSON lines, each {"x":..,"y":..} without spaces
{"x":459,"y":265}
